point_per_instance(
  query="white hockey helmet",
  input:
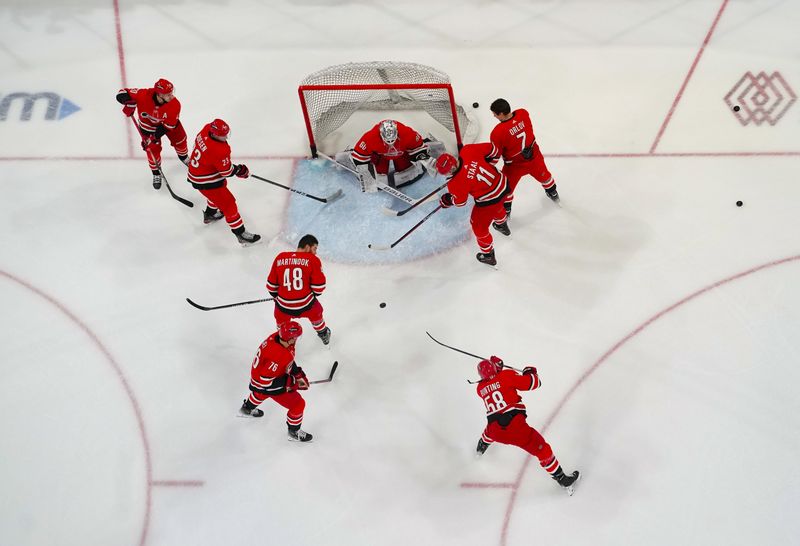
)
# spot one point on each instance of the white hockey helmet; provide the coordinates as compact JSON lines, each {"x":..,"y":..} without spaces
{"x":388,"y":130}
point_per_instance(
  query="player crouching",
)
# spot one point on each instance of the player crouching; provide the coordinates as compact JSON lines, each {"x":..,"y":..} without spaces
{"x":389,"y":154}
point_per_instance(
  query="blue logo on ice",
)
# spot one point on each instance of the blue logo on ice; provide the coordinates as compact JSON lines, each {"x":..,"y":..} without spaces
{"x":57,"y":107}
{"x":346,"y":226}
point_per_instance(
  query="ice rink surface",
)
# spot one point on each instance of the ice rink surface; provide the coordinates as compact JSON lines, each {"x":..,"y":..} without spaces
{"x":663,"y":318}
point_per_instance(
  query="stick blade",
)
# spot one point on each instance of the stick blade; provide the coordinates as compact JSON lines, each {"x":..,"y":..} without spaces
{"x":378,"y":247}
{"x":196,"y":306}
{"x":335,"y":196}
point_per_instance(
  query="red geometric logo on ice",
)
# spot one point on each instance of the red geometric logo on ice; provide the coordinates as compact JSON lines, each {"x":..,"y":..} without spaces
{"x":760,"y":97}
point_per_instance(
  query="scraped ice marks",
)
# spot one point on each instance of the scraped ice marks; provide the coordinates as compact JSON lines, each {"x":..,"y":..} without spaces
{"x":346,"y":227}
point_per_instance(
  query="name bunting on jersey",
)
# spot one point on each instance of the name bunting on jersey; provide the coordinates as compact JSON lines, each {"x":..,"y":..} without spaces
{"x":54,"y":105}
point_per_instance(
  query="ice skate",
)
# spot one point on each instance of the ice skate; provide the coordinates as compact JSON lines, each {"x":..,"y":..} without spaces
{"x":552,"y":193}
{"x":482,"y":447}
{"x":211,"y":215}
{"x":486,"y":258}
{"x":567,"y":481}
{"x":325,"y":335}
{"x":249,"y":410}
{"x":299,"y":436}
{"x":502,"y":228}
{"x":246,"y":238}
{"x":156,"y":181}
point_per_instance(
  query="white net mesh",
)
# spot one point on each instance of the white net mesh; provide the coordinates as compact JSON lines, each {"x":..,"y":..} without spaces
{"x":328,"y":109}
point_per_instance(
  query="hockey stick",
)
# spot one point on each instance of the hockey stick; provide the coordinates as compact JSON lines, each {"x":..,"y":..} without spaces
{"x":329,"y":199}
{"x":468,"y":354}
{"x":330,"y":376}
{"x":416,"y":203}
{"x":394,"y":192}
{"x":203,"y":308}
{"x":407,"y":233}
{"x":175,"y":196}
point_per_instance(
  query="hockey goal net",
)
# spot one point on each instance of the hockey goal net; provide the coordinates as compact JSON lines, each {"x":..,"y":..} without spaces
{"x":331,"y":96}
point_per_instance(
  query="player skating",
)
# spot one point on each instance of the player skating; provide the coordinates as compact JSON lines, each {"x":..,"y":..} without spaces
{"x":158,"y":115}
{"x":507,"y":419}
{"x":209,"y":167}
{"x":514,"y":141}
{"x":296,"y":280}
{"x":275,"y":374}
{"x":471,"y":174}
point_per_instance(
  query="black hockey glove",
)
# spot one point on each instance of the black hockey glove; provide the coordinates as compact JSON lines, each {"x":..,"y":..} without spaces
{"x":530,"y":370}
{"x":446,"y":200}
{"x":241,"y":171}
{"x":527,"y":152}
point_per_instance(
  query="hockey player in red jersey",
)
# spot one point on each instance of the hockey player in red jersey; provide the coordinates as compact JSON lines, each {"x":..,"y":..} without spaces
{"x":471,"y":174}
{"x":514,"y":141}
{"x":158,"y":115}
{"x":296,"y":280}
{"x":506,"y":416}
{"x":276,"y":375}
{"x":209,"y":167}
{"x":388,"y":141}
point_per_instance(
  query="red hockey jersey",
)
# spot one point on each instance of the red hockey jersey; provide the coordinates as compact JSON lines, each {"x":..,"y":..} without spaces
{"x":477,"y":177}
{"x":151,"y":114}
{"x":511,"y":136}
{"x":294,"y":280}
{"x":271,"y":366}
{"x":210,"y":161}
{"x":499,"y":393}
{"x":408,"y":142}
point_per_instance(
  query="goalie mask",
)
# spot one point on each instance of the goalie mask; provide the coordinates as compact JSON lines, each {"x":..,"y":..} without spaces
{"x":388,"y":130}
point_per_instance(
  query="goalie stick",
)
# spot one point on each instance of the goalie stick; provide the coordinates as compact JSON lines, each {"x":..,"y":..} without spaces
{"x":175,"y":196}
{"x":329,"y":199}
{"x":204,"y":308}
{"x":330,"y":376}
{"x":415,"y":204}
{"x":394,"y":192}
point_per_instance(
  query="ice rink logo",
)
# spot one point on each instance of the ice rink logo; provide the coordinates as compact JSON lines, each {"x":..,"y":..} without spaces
{"x":57,"y":107}
{"x":760,"y":97}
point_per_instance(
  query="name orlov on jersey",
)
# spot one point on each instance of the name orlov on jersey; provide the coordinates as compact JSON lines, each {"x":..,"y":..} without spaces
{"x":57,"y":107}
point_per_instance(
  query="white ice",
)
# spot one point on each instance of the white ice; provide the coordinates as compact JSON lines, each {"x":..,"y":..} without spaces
{"x":662,"y":318}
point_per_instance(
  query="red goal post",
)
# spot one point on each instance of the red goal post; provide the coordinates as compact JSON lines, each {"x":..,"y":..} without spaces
{"x":330,"y":96}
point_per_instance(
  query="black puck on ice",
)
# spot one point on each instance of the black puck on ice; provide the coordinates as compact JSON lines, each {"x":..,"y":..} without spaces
{"x":739,"y":203}
{"x":475,"y":104}
{"x":382,"y":305}
{"x":736,"y":108}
